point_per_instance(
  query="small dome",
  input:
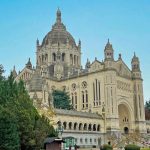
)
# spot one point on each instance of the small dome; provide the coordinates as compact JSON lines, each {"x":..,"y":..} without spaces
{"x":58,"y":34}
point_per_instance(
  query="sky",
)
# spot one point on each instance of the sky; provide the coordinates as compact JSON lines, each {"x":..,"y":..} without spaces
{"x":126,"y":23}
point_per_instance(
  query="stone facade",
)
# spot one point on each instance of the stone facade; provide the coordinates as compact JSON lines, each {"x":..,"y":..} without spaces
{"x":107,"y":96}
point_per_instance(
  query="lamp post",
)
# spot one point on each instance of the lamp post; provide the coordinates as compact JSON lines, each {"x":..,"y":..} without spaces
{"x":59,"y":130}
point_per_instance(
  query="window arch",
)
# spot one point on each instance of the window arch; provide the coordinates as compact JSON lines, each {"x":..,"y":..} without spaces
{"x":85,"y":126}
{"x":90,"y":127}
{"x":75,"y":126}
{"x":96,"y":93}
{"x":54,"y":57}
{"x":63,"y":56}
{"x":98,"y":128}
{"x":74,"y":100}
{"x":70,"y":125}
{"x":80,"y":126}
{"x":65,"y":125}
{"x":94,"y":127}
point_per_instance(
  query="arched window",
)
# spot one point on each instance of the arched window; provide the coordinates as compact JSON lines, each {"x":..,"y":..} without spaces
{"x":94,"y":127}
{"x":63,"y":56}
{"x":80,"y":126}
{"x":98,"y":128}
{"x":75,"y":100}
{"x":96,"y":93}
{"x":65,"y":125}
{"x":70,"y":125}
{"x":71,"y":59}
{"x":90,"y":127}
{"x":54,"y":56}
{"x":86,"y":98}
{"x":75,"y":126}
{"x":85,"y":126}
{"x":83,"y":100}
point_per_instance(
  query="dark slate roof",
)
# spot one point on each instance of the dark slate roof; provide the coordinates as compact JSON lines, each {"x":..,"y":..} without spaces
{"x":52,"y":139}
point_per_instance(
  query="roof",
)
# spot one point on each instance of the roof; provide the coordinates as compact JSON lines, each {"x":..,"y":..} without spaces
{"x":77,"y":113}
{"x":58,"y":34}
{"x":52,"y":139}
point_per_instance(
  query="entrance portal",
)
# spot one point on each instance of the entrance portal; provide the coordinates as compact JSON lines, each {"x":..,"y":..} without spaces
{"x":126,"y":130}
{"x":124,"y":118}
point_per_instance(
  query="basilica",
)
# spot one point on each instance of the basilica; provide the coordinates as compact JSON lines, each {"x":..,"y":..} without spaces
{"x":107,"y":96}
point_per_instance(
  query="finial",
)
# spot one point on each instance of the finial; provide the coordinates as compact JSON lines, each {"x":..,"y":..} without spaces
{"x":95,"y":58}
{"x":119,"y":56}
{"x":79,"y":42}
{"x":58,"y":19}
{"x":108,"y":41}
{"x":134,"y":54}
{"x":14,"y":67}
{"x":37,"y":42}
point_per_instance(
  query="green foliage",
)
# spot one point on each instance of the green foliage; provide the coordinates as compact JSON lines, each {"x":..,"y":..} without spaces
{"x":106,"y":147}
{"x":26,"y":125}
{"x":147,"y":110}
{"x":147,"y":106}
{"x":61,"y":100}
{"x":9,"y":136}
{"x":132,"y":147}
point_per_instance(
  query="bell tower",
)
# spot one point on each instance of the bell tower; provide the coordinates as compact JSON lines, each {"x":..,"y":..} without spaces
{"x":108,"y":51}
{"x":139,"y":111}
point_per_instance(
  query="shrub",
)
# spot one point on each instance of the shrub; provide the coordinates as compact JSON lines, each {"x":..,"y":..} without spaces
{"x":106,"y":147}
{"x":132,"y":147}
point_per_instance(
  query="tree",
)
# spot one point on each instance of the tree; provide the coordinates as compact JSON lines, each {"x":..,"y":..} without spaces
{"x":147,"y":105}
{"x":26,"y":119}
{"x":9,"y":136}
{"x":61,"y":100}
{"x":147,"y":110}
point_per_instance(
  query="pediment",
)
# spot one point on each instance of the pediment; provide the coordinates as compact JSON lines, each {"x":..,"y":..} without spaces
{"x":123,"y":69}
{"x":96,"y":65}
{"x":25,"y":74}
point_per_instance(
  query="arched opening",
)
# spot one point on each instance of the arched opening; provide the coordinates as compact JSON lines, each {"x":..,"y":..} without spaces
{"x":80,"y":126}
{"x":124,"y":118}
{"x":75,"y":126}
{"x":54,"y":56}
{"x":71,"y":59}
{"x":63,"y":56}
{"x":70,"y":125}
{"x":85,"y":126}
{"x":94,"y":127}
{"x":126,"y":130}
{"x":90,"y":127}
{"x":65,"y":125}
{"x":98,"y":128}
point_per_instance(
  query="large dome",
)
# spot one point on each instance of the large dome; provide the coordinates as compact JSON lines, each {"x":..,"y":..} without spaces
{"x":58,"y":34}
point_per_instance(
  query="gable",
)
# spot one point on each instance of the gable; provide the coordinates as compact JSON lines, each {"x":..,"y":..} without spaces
{"x":96,"y":65}
{"x":25,"y":74}
{"x":123,"y":70}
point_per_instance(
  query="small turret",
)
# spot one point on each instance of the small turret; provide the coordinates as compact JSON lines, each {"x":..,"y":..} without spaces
{"x":109,"y":52}
{"x":37,"y":42}
{"x":79,"y":44}
{"x":29,"y":65}
{"x":135,"y":63}
{"x":58,"y":19}
{"x":87,"y":64}
{"x":136,"y":67}
{"x":119,"y":58}
{"x":14,"y":73}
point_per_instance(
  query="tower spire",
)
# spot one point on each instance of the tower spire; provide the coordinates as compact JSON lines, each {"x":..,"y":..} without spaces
{"x":58,"y":19}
